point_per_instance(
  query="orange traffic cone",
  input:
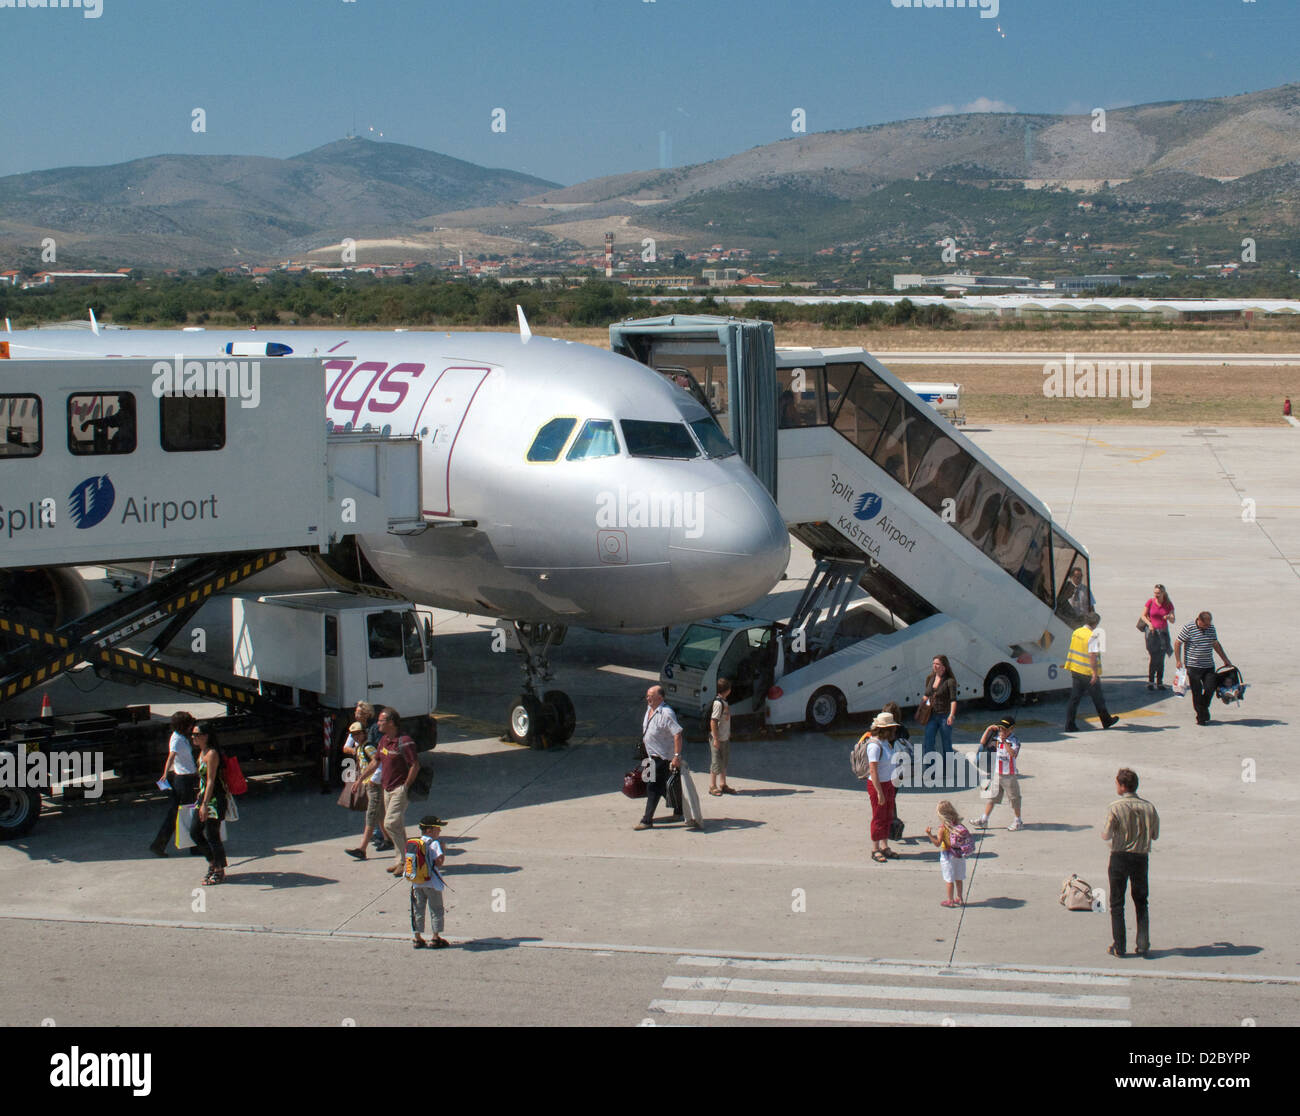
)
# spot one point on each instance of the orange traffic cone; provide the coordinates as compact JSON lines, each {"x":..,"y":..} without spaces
{"x":47,"y":710}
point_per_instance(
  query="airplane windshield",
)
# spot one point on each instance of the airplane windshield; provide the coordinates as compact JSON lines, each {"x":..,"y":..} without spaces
{"x":658,"y":439}
{"x":712,"y":438}
{"x":596,"y":440}
{"x":550,"y":439}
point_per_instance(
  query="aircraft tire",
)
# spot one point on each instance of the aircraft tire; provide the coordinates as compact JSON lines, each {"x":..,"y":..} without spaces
{"x":566,"y":717}
{"x":524,"y":721}
{"x":19,"y":809}
{"x":1001,"y":686}
{"x":825,"y":708}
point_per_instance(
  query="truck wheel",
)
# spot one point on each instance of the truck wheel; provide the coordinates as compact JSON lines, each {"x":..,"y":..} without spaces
{"x":524,"y":721}
{"x":566,"y":717}
{"x":19,"y":809}
{"x":1001,"y":686}
{"x":825,"y":707}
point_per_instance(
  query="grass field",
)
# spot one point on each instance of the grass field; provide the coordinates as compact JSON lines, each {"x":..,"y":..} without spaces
{"x":1190,"y":395}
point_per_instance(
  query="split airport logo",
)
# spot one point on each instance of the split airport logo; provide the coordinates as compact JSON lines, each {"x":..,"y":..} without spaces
{"x":233,"y":379}
{"x":988,"y":9}
{"x":91,"y":501}
{"x":90,"y":9}
{"x":868,"y":506}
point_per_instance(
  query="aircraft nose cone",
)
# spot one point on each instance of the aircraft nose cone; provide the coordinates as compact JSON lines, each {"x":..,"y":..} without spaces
{"x":733,"y":553}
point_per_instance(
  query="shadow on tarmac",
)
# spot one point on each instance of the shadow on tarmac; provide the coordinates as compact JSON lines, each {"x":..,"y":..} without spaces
{"x":482,"y":945}
{"x":1000,"y":903}
{"x":1218,"y":949}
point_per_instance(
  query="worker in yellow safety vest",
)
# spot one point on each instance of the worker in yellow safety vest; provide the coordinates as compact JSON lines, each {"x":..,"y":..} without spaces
{"x":1084,"y":664}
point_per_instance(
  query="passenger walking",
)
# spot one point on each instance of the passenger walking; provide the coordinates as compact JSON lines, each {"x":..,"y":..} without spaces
{"x":1131,"y":825}
{"x":1084,"y":664}
{"x":953,"y":842}
{"x":879,"y":744}
{"x":1158,"y":614}
{"x":368,"y":775}
{"x":662,"y":736}
{"x":422,"y":869}
{"x":1004,"y":778}
{"x":213,"y":805}
{"x":398,"y":765}
{"x":941,"y":701}
{"x":1199,"y":641}
{"x":720,"y":740}
{"x":182,"y":778}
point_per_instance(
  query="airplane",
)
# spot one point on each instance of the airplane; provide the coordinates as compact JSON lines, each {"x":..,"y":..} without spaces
{"x":564,"y":485}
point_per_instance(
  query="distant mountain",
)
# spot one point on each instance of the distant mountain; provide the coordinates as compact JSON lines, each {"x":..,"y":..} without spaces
{"x":1192,"y":174}
{"x":195,"y":210}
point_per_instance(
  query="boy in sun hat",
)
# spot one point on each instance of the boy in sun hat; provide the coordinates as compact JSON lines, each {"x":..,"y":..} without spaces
{"x":424,"y":858}
{"x":1004,"y":776}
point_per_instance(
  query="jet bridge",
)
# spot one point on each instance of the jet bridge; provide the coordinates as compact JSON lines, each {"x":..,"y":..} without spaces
{"x":960,"y":556}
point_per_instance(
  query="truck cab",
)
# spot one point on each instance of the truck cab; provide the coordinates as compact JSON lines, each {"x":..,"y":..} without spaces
{"x":744,"y":649}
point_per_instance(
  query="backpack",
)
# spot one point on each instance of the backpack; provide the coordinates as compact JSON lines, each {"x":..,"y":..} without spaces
{"x":858,"y":757}
{"x":960,"y":842}
{"x":417,"y":862}
{"x":1076,"y":894}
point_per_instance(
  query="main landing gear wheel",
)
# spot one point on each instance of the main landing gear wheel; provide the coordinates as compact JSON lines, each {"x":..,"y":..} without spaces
{"x":825,"y":707}
{"x":566,"y":717}
{"x":1001,"y":687}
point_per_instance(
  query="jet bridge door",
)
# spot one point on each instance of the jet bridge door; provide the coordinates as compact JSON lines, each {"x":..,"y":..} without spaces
{"x":700,"y":347}
{"x":443,"y":414}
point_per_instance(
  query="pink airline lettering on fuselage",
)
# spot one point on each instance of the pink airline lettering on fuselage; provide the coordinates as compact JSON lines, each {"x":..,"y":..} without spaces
{"x":384,"y":390}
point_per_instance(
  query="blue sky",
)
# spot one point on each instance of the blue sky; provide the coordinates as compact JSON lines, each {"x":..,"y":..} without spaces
{"x":588,"y":86}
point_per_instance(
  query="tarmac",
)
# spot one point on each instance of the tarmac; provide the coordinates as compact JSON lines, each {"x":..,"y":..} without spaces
{"x":542,"y":853}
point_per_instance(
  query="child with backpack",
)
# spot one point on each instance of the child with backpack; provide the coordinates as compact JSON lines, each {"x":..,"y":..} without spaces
{"x":955,"y":844}
{"x":424,"y":856}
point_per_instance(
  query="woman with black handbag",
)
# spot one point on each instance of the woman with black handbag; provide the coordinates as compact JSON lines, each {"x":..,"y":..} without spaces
{"x":938,"y":710}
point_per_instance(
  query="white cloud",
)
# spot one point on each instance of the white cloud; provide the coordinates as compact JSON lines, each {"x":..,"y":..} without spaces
{"x":980,"y":104}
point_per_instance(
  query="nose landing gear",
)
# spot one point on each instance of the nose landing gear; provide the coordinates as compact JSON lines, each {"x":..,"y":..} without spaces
{"x":549,"y":720}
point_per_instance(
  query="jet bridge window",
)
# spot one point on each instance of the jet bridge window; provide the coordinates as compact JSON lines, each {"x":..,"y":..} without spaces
{"x":865,"y":401}
{"x":101,"y":423}
{"x":192,"y":423}
{"x":802,"y":399}
{"x":908,"y":435}
{"x":658,"y":439}
{"x":550,"y":439}
{"x":596,"y":439}
{"x":20,"y":415}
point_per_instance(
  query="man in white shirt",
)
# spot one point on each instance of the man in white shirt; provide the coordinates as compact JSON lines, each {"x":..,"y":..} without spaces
{"x":662,"y":736}
{"x":720,"y":739}
{"x":182,"y":774}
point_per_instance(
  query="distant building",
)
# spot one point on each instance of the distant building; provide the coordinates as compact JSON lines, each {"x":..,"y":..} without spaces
{"x":41,"y":278}
{"x":669,"y":282}
{"x":1074,"y":283}
{"x":963,"y":281}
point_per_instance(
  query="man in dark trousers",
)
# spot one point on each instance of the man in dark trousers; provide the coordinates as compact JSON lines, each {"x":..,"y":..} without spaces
{"x":1200,"y":641}
{"x":1131,"y":825}
{"x":1083,"y":662}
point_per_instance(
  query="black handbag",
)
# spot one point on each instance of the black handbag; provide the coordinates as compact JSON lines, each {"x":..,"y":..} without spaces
{"x":896,"y":829}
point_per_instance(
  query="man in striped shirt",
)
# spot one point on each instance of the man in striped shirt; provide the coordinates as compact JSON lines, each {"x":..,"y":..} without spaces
{"x":1201,"y":642}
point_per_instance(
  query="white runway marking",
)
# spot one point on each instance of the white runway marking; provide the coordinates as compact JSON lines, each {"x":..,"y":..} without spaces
{"x":973,"y":972}
{"x":630,"y":672}
{"x":895,"y":992}
{"x":793,"y":1013}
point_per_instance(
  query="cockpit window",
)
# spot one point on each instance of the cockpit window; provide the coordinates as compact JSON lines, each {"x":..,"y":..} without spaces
{"x":658,"y":439}
{"x":597,"y":439}
{"x":712,"y":438}
{"x":550,"y":439}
